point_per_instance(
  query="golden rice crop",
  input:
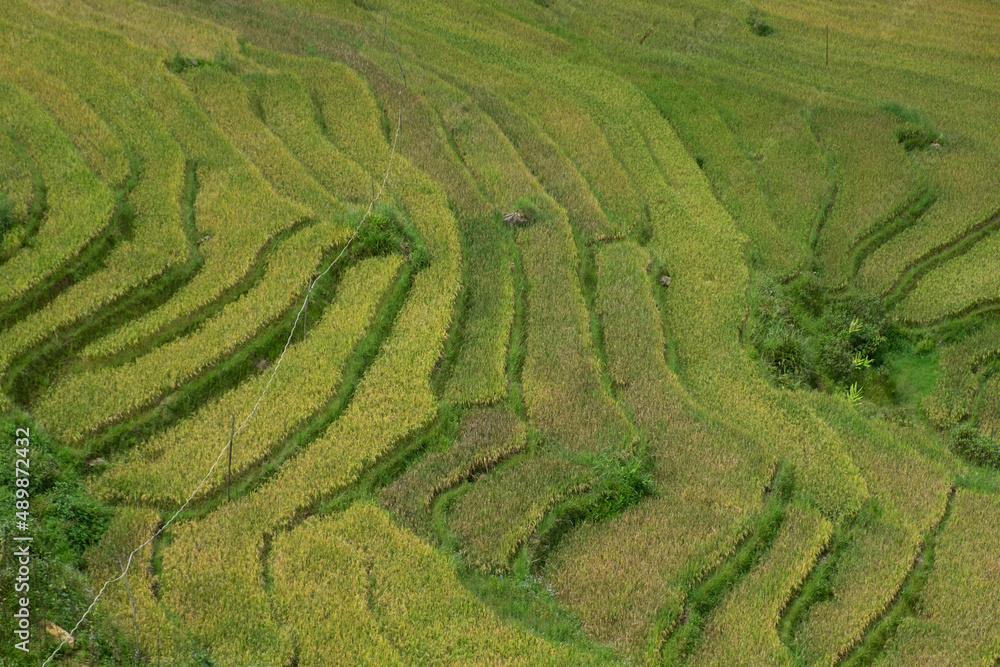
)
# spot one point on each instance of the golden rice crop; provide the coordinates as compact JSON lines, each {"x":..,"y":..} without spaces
{"x":577,"y":136}
{"x":289,"y":113}
{"x":743,"y":630}
{"x":957,"y":285}
{"x":94,"y":399}
{"x":956,"y":621}
{"x":321,"y":588}
{"x":479,"y":372}
{"x":955,"y":393}
{"x":17,"y":184}
{"x":348,"y":110}
{"x":237,"y":211}
{"x":553,"y":169}
{"x":498,"y":513}
{"x":152,"y":27}
{"x":160,"y":640}
{"x":102,"y":150}
{"x":621,"y":575}
{"x":426,"y":613}
{"x":79,"y":205}
{"x":158,"y":237}
{"x":912,"y":494}
{"x":227,"y":102}
{"x":396,"y":600}
{"x":562,"y":379}
{"x":165,"y":468}
{"x":733,"y":175}
{"x":697,"y":240}
{"x":875,"y":176}
{"x":988,"y":418}
{"x":967,"y":197}
{"x":486,"y":435}
{"x":392,"y":400}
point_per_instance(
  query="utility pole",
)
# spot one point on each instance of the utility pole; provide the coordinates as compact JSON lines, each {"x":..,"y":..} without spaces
{"x":229,"y":475}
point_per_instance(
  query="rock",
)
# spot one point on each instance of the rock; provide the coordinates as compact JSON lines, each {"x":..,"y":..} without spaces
{"x":263,"y":364}
{"x":665,"y":280}
{"x":58,"y":633}
{"x":99,"y":461}
{"x":515,"y":219}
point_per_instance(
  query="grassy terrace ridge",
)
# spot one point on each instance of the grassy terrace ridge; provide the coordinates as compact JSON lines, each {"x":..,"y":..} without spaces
{"x":636,"y":333}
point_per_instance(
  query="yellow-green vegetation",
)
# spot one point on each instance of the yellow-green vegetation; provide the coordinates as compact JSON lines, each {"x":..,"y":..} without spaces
{"x":733,"y":176}
{"x":955,"y":393}
{"x":638,"y":329}
{"x":16,"y":181}
{"x":91,"y":136}
{"x":498,"y":513}
{"x":227,"y":101}
{"x":79,"y":205}
{"x":486,"y":435}
{"x":398,"y":601}
{"x":955,"y":623}
{"x":157,"y":238}
{"x":289,"y":113}
{"x":876,"y":177}
{"x":909,"y":497}
{"x":562,"y":379}
{"x":169,"y":465}
{"x":958,"y":285}
{"x":327,"y":602}
{"x":989,"y":412}
{"x":967,"y":199}
{"x":743,"y":630}
{"x":619,"y":575}
{"x":236,"y":211}
{"x":112,"y":393}
{"x":153,"y":27}
{"x":133,"y":604}
{"x":392,"y":400}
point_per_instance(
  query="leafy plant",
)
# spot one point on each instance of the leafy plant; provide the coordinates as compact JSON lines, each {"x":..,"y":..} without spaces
{"x":854,"y":394}
{"x":759,"y":26}
{"x":975,"y":446}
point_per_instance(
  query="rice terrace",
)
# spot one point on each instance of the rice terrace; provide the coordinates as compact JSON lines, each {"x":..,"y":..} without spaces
{"x":500,"y":332}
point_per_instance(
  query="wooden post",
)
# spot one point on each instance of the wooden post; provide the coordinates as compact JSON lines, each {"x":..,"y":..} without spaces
{"x":229,"y":475}
{"x":135,"y":618}
{"x":827,"y":43}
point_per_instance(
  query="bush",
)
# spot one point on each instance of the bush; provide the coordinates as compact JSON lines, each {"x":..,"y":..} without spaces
{"x":806,"y":340}
{"x":975,"y":447}
{"x":913,"y":137}
{"x":529,"y":210}
{"x":759,"y":26}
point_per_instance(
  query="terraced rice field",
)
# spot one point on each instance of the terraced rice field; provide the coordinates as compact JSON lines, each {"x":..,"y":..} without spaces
{"x":501,"y":333}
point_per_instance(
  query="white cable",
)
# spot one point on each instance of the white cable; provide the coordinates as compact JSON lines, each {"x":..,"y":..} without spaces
{"x":277,"y":365}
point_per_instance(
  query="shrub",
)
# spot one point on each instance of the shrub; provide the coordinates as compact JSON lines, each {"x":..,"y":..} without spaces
{"x":759,"y":26}
{"x":529,"y":210}
{"x":913,"y":137}
{"x":975,"y":447}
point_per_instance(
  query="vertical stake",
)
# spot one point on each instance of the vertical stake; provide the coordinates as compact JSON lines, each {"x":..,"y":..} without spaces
{"x":135,"y":619}
{"x":827,"y":43}
{"x":229,"y":475}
